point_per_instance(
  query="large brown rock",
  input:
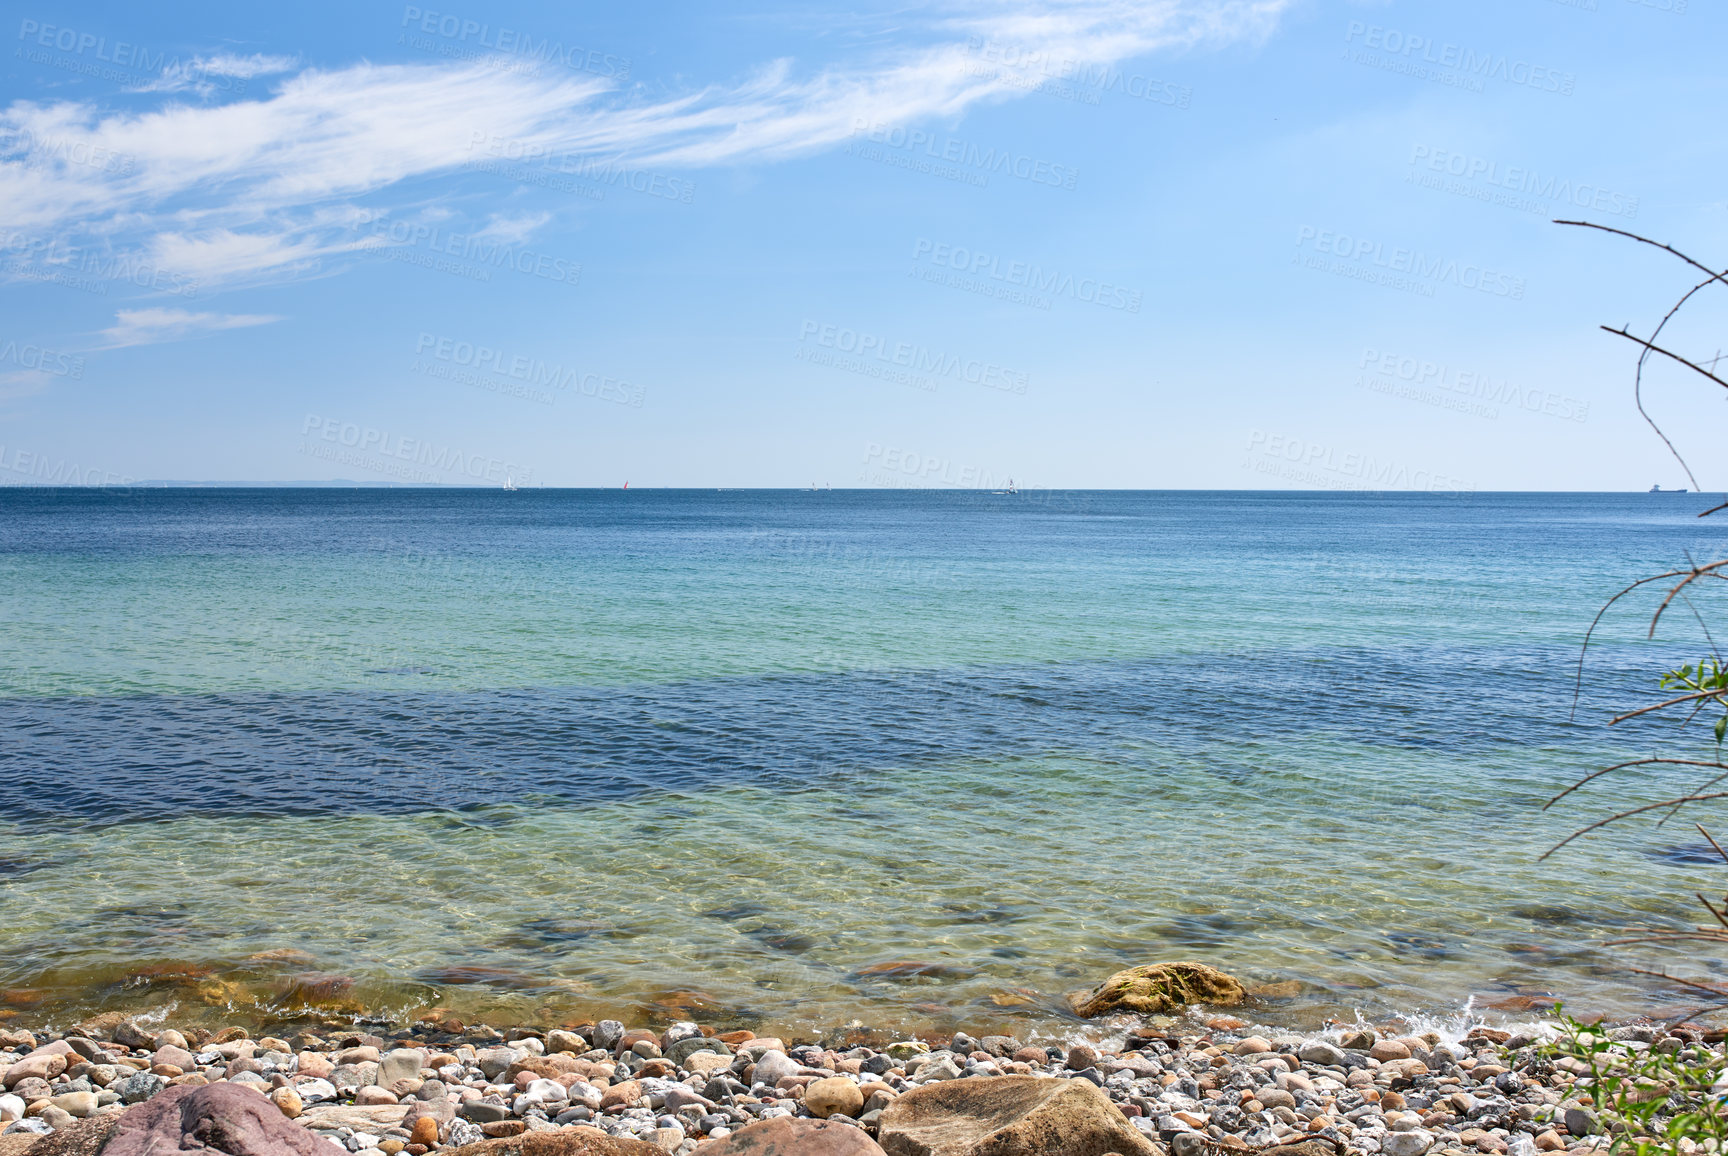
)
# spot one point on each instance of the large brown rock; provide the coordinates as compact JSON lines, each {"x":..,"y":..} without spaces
{"x":1009,"y":1116}
{"x":792,"y":1137}
{"x":567,"y":1142}
{"x":222,"y":1117}
{"x":1160,"y":987}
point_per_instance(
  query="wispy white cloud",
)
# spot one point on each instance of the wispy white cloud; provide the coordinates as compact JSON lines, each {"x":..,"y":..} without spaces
{"x":199,"y":73}
{"x":149,"y":326}
{"x":264,"y":186}
{"x":513,"y":228}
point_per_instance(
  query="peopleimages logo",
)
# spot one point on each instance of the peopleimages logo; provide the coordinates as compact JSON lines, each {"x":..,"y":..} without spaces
{"x":1456,"y":65}
{"x":563,"y":162}
{"x":911,"y":358}
{"x":89,"y":52}
{"x":1513,"y":186}
{"x":1425,"y":269}
{"x":1026,"y":275}
{"x":483,"y":250}
{"x":1315,"y":464}
{"x":473,"y":34}
{"x":1087,"y":79}
{"x":1425,"y":374}
{"x":389,"y":450}
{"x":529,"y":370}
{"x":39,"y":150}
{"x":39,"y":258}
{"x":34,"y":357}
{"x":965,"y":155}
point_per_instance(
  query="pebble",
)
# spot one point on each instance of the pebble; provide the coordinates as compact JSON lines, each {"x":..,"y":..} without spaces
{"x":288,"y":1100}
{"x":836,"y":1094}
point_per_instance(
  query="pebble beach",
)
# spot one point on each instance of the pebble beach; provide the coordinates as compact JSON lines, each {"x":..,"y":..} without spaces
{"x":1195,"y":1081}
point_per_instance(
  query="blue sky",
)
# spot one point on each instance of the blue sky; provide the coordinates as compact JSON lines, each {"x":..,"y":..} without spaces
{"x":1190,"y":243}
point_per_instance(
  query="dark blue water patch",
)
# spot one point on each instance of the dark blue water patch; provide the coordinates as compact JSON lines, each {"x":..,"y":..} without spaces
{"x":88,"y":760}
{"x":1687,"y":855}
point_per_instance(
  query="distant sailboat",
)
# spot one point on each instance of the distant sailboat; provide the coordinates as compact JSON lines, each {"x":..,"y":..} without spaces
{"x":509,"y":484}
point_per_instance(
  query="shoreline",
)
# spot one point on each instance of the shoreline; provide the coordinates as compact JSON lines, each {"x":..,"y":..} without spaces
{"x":1194,"y":1083}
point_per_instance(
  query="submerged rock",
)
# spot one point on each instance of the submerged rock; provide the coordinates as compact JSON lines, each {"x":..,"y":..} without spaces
{"x":1160,"y":987}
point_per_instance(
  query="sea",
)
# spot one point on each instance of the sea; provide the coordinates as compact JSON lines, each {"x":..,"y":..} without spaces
{"x":806,"y":761}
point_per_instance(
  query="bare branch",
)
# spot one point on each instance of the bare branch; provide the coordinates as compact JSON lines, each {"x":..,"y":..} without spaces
{"x":1622,"y":332}
{"x":1633,"y":763}
{"x":1578,"y":681}
{"x":1627,"y":814}
{"x":1666,"y":705}
{"x":1714,"y":276}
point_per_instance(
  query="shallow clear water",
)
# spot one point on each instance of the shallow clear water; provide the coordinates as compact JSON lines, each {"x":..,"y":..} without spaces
{"x":732,"y":753}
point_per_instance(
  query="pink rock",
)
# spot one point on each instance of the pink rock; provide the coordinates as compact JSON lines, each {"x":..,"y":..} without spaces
{"x":179,"y":1057}
{"x":372,"y":1094}
{"x":1384,"y":1050}
{"x":36,"y":1065}
{"x":312,"y":1064}
{"x":792,"y":1137}
{"x":226,"y":1118}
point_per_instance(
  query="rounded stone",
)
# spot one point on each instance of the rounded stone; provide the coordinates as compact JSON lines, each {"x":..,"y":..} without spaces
{"x":1415,"y":1142}
{"x":1081,"y":1057}
{"x":834,"y":1095}
{"x":425,"y":1132}
{"x":76,"y":1104}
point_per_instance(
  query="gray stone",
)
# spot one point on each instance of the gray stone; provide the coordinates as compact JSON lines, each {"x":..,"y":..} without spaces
{"x":1580,"y":1121}
{"x":481,"y":1112}
{"x":362,"y":1075}
{"x":607,"y":1033}
{"x":1412,"y":1143}
{"x":940,"y":1069}
{"x":682,"y":1049}
{"x":400,"y":1064}
{"x":136,"y":1089}
{"x":682,"y":1030}
{"x":776,"y":1066}
{"x":1187,"y":1144}
{"x":463,"y":1132}
{"x":494,"y":1062}
{"x":1321,"y":1052}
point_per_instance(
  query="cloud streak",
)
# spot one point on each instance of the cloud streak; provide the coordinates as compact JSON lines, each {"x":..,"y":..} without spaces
{"x":151,"y":326}
{"x":262,"y":187}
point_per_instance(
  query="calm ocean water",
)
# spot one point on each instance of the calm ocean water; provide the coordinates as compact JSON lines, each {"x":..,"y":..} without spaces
{"x":797,"y":758}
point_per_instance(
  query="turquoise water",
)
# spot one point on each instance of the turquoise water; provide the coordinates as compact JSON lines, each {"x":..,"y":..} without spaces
{"x":802,"y":759}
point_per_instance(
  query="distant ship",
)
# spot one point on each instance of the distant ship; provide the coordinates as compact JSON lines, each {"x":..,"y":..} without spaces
{"x":1660,"y":490}
{"x":509,"y":483}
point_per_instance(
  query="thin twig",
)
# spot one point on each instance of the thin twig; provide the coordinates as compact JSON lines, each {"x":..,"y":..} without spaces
{"x":1622,"y":332}
{"x":1632,"y":763}
{"x":1627,"y":814}
{"x":1665,"y":705}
